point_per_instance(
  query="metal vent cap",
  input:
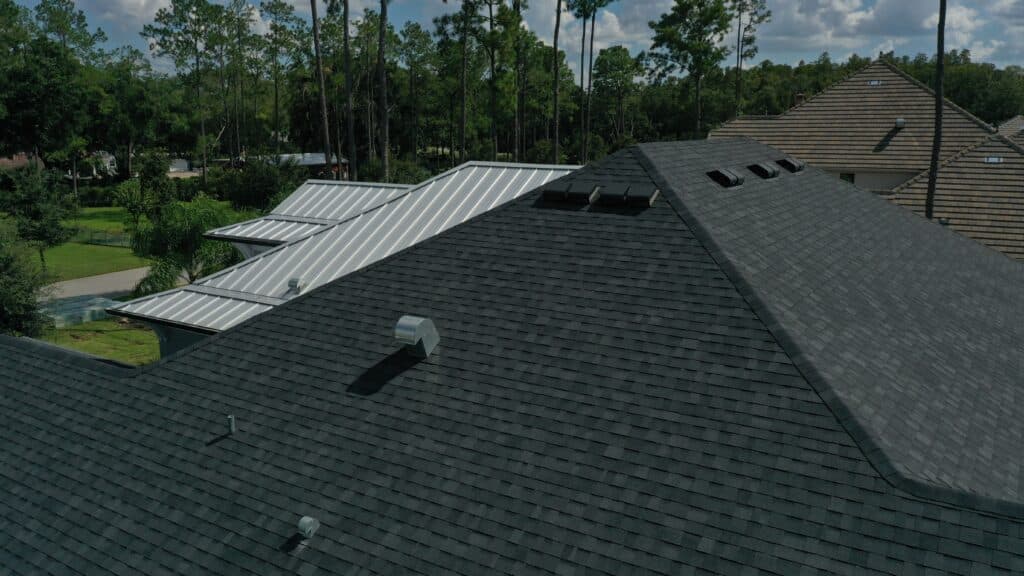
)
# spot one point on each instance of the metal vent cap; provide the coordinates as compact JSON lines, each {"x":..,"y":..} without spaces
{"x":419,"y":335}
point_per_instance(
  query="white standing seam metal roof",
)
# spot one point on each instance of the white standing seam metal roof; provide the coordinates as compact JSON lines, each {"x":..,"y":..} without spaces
{"x":230,"y":296}
{"x":312,"y":207}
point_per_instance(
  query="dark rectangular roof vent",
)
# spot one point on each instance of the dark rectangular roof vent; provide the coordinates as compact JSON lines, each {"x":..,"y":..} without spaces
{"x":570,"y":192}
{"x":725,"y":177}
{"x":642,"y":194}
{"x":792,"y":164}
{"x":621,"y":194}
{"x":764,"y":170}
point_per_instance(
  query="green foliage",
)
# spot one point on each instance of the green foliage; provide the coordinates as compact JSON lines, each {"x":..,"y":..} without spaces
{"x":689,"y":38}
{"x":239,"y":95}
{"x":402,"y":172}
{"x":153,"y":180}
{"x":136,"y":204}
{"x":40,"y":206}
{"x":21,"y":284}
{"x":256,"y":183}
{"x":175,"y":241}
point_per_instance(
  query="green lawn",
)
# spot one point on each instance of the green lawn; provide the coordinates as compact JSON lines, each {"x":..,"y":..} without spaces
{"x":108,"y":219}
{"x":127,"y":342}
{"x":74,"y":260}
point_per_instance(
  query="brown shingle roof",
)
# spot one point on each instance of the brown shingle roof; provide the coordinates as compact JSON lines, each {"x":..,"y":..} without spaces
{"x":981,"y":199}
{"x":850,"y":126}
{"x":1012,"y":127}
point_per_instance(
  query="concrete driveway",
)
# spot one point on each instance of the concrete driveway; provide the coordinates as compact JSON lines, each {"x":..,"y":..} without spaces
{"x":107,"y":285}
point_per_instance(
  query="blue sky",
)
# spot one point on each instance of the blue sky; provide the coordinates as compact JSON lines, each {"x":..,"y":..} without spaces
{"x":801,"y":29}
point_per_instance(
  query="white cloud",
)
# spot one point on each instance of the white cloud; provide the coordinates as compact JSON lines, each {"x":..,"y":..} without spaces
{"x":961,"y":25}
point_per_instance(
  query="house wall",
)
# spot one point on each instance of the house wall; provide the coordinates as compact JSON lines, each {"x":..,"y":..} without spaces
{"x":878,"y":180}
{"x":174,"y":339}
{"x":250,"y":250}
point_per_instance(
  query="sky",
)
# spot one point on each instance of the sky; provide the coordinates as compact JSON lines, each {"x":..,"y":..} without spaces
{"x":993,"y":30}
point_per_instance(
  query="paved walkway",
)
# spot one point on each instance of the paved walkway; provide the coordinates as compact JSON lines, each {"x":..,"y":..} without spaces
{"x":108,"y":285}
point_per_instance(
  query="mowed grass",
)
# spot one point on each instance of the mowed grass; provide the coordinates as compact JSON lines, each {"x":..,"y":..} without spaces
{"x":109,"y":219}
{"x":74,"y":260}
{"x":127,"y":342}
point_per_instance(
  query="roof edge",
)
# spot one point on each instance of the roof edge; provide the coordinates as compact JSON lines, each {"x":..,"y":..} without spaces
{"x":873,"y":453}
{"x":960,"y":154}
{"x":896,"y":69}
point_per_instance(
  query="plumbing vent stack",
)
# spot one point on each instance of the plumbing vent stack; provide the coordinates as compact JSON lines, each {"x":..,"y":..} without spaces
{"x":901,"y":123}
{"x":231,"y":424}
{"x":308,"y":526}
{"x":419,"y":335}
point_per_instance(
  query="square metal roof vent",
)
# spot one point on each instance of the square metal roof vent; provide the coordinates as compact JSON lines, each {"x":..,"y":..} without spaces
{"x":764,"y":170}
{"x":726,"y":178}
{"x":874,"y":82}
{"x":622,"y":194}
{"x":993,"y":159}
{"x":792,"y":164}
{"x":570,"y":192}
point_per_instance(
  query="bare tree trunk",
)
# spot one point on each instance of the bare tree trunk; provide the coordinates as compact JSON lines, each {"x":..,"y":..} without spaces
{"x":700,"y":112}
{"x":557,"y":69}
{"x":277,"y":110}
{"x":382,"y":79}
{"x":202,"y":117}
{"x":415,"y":114}
{"x":940,"y":73}
{"x":739,"y":58}
{"x":517,"y":144}
{"x":583,"y":92}
{"x":590,"y":84}
{"x":493,"y":84}
{"x":350,"y":129}
{"x":464,"y":39}
{"x":323,"y":89}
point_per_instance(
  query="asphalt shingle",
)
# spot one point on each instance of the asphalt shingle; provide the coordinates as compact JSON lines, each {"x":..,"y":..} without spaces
{"x":610,"y":396}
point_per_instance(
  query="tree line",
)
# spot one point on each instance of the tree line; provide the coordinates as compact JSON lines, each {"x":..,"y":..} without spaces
{"x":402,"y":103}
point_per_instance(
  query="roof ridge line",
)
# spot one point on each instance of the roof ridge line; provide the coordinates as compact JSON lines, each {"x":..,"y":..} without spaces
{"x":895,"y":69}
{"x":960,"y":155}
{"x":874,"y":455}
{"x":945,"y":100}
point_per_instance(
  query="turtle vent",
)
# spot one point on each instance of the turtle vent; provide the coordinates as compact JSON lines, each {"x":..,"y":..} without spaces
{"x":726,"y":178}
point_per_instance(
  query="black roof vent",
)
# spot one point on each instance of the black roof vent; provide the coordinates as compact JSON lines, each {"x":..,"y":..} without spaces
{"x":725,"y":177}
{"x":764,"y":170}
{"x":570,"y":192}
{"x":792,"y":164}
{"x":621,"y":194}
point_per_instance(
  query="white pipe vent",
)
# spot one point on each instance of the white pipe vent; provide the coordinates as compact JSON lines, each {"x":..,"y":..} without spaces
{"x":419,"y":335}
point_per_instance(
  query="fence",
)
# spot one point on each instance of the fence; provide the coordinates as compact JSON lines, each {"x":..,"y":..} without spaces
{"x":102,"y":238}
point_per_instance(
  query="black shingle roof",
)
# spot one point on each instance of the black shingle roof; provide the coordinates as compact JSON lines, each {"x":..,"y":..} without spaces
{"x":610,"y":397}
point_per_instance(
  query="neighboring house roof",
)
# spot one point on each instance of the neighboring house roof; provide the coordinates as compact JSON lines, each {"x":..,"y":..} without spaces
{"x":306,"y":159}
{"x":19,"y":160}
{"x":222,"y":300}
{"x":979,"y":192}
{"x":1012,"y":127}
{"x":850,"y":127}
{"x":313,"y":206}
{"x":791,"y":376}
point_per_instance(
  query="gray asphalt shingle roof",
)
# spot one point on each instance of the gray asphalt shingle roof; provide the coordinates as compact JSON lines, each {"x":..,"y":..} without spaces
{"x":791,"y":376}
